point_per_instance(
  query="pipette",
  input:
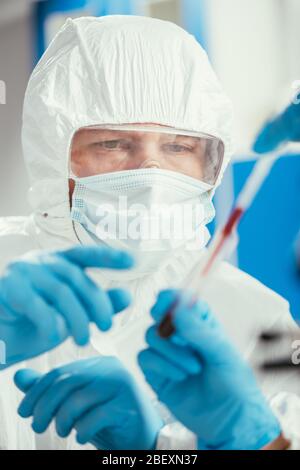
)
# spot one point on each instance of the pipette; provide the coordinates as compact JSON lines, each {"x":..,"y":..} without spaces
{"x":224,"y":241}
{"x":290,"y":149}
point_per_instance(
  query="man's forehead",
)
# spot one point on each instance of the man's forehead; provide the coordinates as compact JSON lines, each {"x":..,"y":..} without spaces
{"x":126,"y":124}
{"x":139,"y":131}
{"x":93,"y":131}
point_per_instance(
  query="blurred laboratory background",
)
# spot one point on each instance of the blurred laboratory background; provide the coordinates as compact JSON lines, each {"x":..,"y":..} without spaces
{"x":254,"y":48}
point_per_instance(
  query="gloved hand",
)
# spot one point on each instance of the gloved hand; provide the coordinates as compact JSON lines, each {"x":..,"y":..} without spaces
{"x":284,"y":128}
{"x":48,"y":297}
{"x":95,"y":396}
{"x":201,"y":378}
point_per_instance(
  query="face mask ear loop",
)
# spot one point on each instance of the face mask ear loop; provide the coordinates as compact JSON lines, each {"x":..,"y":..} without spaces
{"x":72,"y":176}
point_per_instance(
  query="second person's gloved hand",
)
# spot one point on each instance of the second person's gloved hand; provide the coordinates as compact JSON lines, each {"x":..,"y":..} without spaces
{"x":283,"y":128}
{"x":49,"y":296}
{"x":97,"y":397}
{"x":203,"y":381}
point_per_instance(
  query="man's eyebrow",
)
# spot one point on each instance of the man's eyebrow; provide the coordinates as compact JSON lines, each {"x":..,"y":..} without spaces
{"x":186,"y":137}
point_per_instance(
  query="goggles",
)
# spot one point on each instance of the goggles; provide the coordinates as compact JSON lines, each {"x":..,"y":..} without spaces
{"x":109,"y":148}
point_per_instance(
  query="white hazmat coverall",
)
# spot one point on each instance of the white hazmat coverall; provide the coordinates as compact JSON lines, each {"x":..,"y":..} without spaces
{"x":117,"y":70}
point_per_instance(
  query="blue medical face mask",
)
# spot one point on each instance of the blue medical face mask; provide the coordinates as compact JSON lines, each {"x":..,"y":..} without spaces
{"x":151,"y":212}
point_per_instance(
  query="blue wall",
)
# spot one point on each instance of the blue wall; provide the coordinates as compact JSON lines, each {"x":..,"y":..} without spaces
{"x":44,"y":9}
{"x":193,"y":14}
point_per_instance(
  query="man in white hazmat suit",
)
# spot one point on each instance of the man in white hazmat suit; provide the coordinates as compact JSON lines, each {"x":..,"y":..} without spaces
{"x":108,"y":74}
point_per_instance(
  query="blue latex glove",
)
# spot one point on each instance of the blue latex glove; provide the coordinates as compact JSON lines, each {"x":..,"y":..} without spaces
{"x":48,"y":297}
{"x":284,"y":128}
{"x":201,"y":378}
{"x":95,"y":396}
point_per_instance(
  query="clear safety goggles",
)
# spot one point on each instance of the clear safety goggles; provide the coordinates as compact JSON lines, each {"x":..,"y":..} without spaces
{"x":108,"y":148}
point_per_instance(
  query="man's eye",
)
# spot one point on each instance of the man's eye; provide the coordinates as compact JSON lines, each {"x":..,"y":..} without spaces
{"x":177,"y":148}
{"x":116,"y":144}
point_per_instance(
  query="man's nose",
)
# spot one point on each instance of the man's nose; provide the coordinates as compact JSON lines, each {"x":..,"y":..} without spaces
{"x":148,"y":154}
{"x":150,"y":163}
